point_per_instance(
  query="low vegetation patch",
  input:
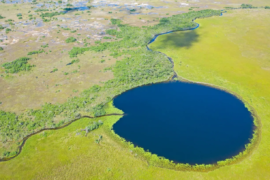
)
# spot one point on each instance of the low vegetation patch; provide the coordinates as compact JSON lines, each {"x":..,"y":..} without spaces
{"x":74,"y":61}
{"x":18,"y":65}
{"x":36,"y":52}
{"x":50,"y":15}
{"x":76,"y":51}
{"x":247,"y":6}
{"x":8,"y":30}
{"x":71,"y":40}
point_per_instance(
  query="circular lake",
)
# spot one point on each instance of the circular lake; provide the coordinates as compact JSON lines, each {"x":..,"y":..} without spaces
{"x":184,"y":122}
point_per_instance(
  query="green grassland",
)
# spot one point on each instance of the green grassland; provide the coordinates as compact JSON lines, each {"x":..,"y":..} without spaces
{"x":231,"y":52}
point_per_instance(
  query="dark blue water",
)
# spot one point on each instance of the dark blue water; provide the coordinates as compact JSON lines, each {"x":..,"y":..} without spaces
{"x":186,"y":123}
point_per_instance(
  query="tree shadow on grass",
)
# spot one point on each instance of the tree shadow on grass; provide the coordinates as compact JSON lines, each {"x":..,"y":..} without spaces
{"x":179,"y":39}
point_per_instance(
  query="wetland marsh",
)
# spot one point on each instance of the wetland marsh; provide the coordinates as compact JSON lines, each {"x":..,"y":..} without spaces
{"x":65,"y":81}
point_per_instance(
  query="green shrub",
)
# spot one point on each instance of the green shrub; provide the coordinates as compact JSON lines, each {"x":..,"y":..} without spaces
{"x":50,"y":15}
{"x":18,"y":65}
{"x":36,"y":52}
{"x":1,"y":17}
{"x":9,"y":20}
{"x":70,"y":40}
{"x":54,"y":70}
{"x":247,"y":6}
{"x":115,"y":21}
{"x":99,"y":110}
{"x":65,"y":28}
{"x":111,"y":32}
{"x":106,"y":37}
{"x":74,"y":61}
{"x":1,"y":27}
{"x":77,"y":50}
{"x":41,"y":10}
{"x":45,"y":46}
{"x":1,"y":48}
{"x":8,"y":30}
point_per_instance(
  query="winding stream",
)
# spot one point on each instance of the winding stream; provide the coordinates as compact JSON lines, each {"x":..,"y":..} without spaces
{"x":184,"y":122}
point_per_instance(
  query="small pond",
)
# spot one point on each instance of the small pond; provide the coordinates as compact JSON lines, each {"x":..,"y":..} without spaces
{"x":184,"y":122}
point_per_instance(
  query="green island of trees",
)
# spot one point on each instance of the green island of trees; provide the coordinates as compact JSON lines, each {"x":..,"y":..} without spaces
{"x":50,"y":15}
{"x":36,"y":52}
{"x":18,"y":65}
{"x":71,"y":40}
{"x":8,"y":30}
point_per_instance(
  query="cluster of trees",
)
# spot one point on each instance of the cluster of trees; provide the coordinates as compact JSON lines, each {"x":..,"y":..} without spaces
{"x":77,"y":50}
{"x":8,"y":30}
{"x":138,"y":67}
{"x":50,"y":15}
{"x":45,"y":46}
{"x":74,"y":61}
{"x":107,"y":37}
{"x":46,"y":17}
{"x":19,"y":15}
{"x":18,"y":65}
{"x":93,"y":126}
{"x":36,"y":52}
{"x":54,"y":70}
{"x":1,"y":27}
{"x":70,"y":40}
{"x":41,"y":10}
{"x":247,"y":6}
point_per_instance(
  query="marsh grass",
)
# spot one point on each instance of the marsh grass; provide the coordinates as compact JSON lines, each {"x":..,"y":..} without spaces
{"x":228,"y":55}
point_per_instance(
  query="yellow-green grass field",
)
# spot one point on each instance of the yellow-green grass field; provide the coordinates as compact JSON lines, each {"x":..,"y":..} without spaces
{"x":230,"y":51}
